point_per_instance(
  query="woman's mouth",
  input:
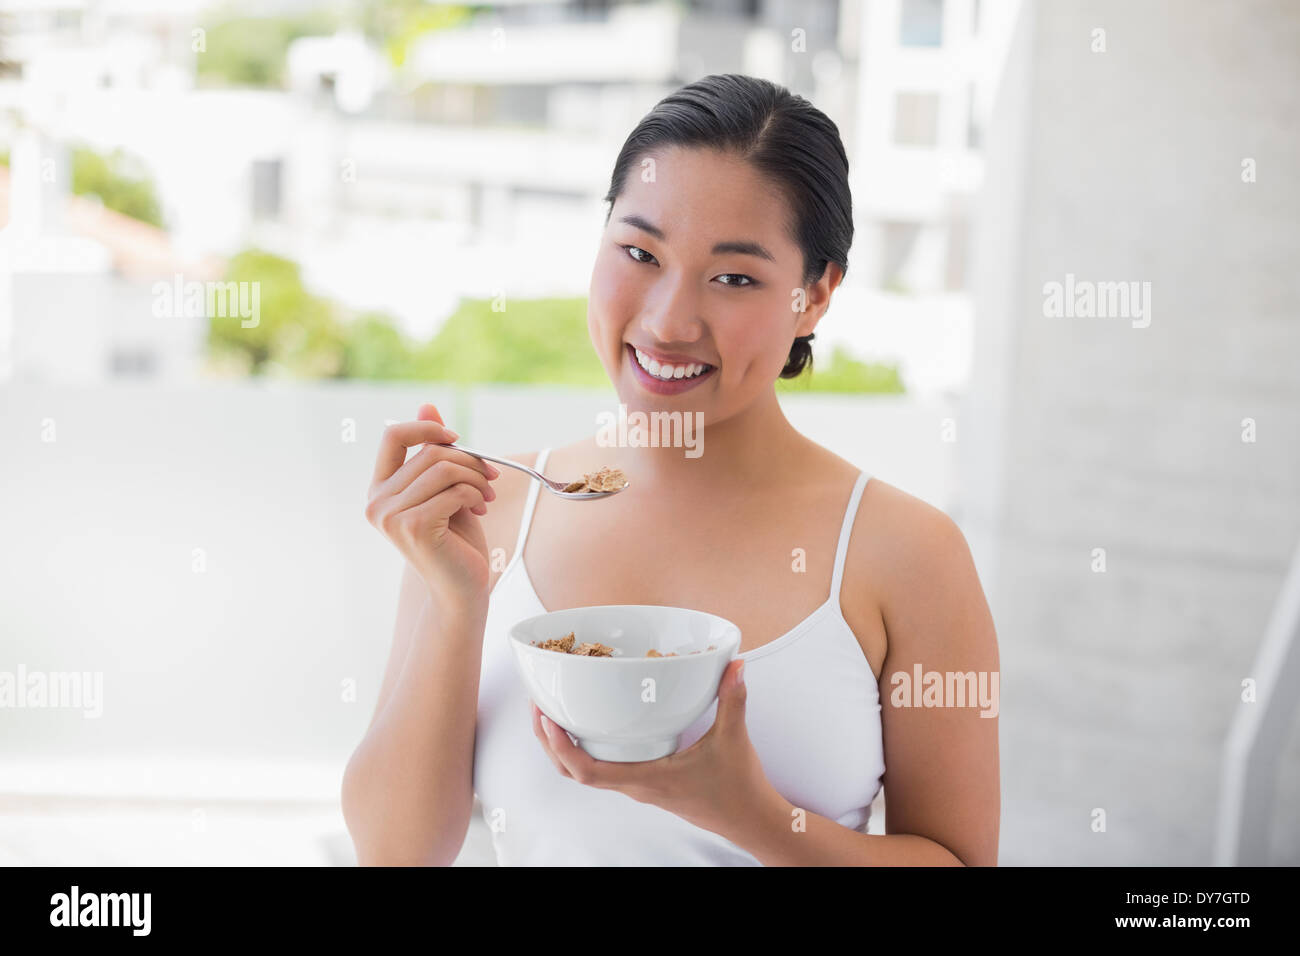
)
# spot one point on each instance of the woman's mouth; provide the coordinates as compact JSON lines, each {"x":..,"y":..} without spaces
{"x":666,"y":379}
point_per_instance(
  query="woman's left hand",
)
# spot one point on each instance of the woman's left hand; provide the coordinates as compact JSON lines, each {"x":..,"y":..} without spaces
{"x":717,"y":783}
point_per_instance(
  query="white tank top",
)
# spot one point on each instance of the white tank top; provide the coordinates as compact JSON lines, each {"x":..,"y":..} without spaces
{"x":812,"y":712}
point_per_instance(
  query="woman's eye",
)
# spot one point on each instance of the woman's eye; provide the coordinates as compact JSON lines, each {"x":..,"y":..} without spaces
{"x":736,"y":276}
{"x":633,"y":250}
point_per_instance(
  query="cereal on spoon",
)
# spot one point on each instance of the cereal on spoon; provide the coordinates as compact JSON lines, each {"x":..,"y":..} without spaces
{"x":605,"y":479}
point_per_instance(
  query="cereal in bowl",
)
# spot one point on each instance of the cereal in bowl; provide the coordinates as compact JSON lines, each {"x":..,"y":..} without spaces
{"x":561,"y":644}
{"x":565,"y":645}
{"x":568,"y":645}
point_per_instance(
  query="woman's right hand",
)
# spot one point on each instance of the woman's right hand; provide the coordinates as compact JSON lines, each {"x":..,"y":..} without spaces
{"x":427,"y":507}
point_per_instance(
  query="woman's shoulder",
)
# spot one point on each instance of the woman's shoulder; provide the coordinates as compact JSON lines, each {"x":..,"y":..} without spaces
{"x":903,"y":551}
{"x":903,"y":516}
{"x":904,"y":526}
{"x":896,"y":533}
{"x":897,"y":543}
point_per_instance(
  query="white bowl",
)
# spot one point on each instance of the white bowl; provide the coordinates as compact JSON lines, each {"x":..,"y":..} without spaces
{"x":628,"y":707}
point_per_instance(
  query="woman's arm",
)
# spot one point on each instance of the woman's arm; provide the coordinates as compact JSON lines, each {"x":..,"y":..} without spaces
{"x":408,"y":788}
{"x":941,"y":781}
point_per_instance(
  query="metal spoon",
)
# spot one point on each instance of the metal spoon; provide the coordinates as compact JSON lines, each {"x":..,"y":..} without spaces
{"x":554,"y":487}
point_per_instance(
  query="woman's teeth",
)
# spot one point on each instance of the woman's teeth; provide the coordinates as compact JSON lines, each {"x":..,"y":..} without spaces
{"x":668,"y":371}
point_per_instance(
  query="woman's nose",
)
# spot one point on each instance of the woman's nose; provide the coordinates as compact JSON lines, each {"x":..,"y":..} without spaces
{"x":672,"y":315}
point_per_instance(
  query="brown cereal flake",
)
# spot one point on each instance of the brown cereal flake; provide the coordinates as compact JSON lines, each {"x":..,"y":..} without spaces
{"x":595,"y":649}
{"x":565,"y":645}
{"x":562,"y":644}
{"x":604,"y":479}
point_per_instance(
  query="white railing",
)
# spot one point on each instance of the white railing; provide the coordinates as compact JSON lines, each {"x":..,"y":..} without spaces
{"x":1258,"y":732}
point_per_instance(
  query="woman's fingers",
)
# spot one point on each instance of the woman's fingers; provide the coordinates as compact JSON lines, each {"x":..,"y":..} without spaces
{"x":540,"y":733}
{"x":437,"y":478}
{"x":401,"y":436}
{"x":425,"y":457}
{"x":422,"y":517}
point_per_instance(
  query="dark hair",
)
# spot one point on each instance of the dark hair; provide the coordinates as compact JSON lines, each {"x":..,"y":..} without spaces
{"x":782,"y":135}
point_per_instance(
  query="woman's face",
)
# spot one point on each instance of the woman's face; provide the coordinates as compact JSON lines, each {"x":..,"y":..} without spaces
{"x":697,"y":266}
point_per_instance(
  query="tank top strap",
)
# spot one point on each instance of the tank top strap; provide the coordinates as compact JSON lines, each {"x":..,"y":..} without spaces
{"x":534,"y":489}
{"x":846,"y":530}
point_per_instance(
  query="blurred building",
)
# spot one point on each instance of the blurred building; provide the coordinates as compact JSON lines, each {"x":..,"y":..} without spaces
{"x":78,"y":283}
{"x":483,"y":165}
{"x":477,"y":166}
{"x":927,"y":72}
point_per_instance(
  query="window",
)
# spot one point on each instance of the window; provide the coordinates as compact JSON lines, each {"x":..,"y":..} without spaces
{"x":973,"y":137}
{"x":266,"y":188}
{"x":514,"y":104}
{"x":916,"y":119}
{"x":897,"y":245}
{"x":921,"y":23}
{"x":956,"y":277}
{"x":133,"y":363}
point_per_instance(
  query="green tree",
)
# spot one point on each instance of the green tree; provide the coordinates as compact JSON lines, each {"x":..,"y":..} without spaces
{"x":375,"y":349}
{"x":844,"y":373}
{"x":532,"y":340}
{"x":397,"y":24}
{"x":253,"y":51}
{"x":119,"y":181}
{"x":297,"y":334}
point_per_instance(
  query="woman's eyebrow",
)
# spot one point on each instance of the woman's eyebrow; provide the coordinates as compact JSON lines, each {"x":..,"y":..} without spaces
{"x":744,"y":248}
{"x":740,"y":247}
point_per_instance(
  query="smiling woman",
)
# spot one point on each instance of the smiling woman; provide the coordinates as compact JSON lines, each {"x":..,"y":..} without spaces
{"x":728,"y":231}
{"x":796,"y":154}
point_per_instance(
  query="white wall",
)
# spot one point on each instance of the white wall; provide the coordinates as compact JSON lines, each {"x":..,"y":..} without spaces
{"x":1089,"y":433}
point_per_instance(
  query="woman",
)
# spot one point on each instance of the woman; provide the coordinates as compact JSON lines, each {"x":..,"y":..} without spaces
{"x":728,"y":231}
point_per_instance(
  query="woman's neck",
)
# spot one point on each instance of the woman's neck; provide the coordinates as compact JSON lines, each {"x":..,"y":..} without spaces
{"x":747,"y":451}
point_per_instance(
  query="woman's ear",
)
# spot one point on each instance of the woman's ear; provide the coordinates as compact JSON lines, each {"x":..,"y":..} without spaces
{"x":817,"y":299}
